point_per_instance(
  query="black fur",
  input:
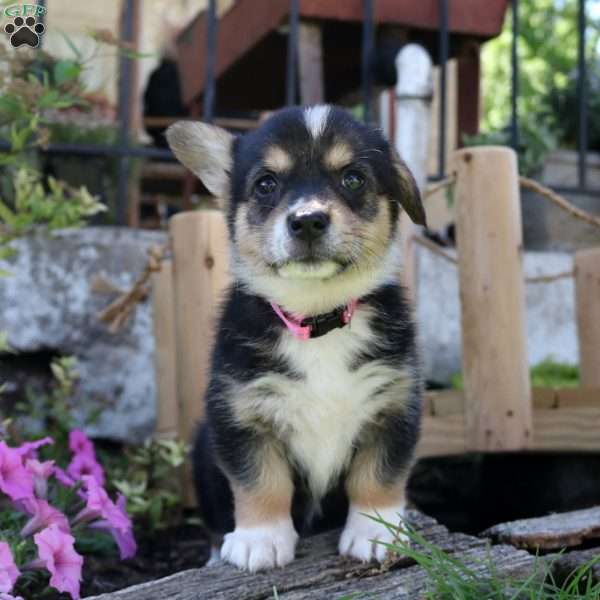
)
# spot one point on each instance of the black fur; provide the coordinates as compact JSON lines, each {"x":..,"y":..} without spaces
{"x":247,"y":318}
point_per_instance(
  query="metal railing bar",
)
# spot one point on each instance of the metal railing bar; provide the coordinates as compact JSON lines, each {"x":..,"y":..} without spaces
{"x":582,"y":133}
{"x":514,"y":124}
{"x":368,"y":32}
{"x":443,"y":62}
{"x":208,"y":104}
{"x":101,"y":150}
{"x":124,"y":101}
{"x":292,"y":54}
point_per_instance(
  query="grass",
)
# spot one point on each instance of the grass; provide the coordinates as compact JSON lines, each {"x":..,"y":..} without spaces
{"x":450,"y":578}
{"x":547,"y":374}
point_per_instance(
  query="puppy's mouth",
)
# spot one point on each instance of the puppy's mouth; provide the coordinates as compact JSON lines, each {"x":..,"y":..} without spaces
{"x":310,"y":268}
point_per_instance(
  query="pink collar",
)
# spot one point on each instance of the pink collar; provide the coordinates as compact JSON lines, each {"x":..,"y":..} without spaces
{"x":305,"y":328}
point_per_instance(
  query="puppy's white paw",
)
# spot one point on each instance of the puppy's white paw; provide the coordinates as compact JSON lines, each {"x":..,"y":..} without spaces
{"x":361,"y":534}
{"x":260,"y":548}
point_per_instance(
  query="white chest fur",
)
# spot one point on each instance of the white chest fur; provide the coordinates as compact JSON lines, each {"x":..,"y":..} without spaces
{"x":320,"y":416}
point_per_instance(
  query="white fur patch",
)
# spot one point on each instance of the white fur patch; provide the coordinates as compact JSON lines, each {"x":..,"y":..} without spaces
{"x":296,"y":297}
{"x":315,"y":118}
{"x":320,"y":416}
{"x":361,"y":534}
{"x":259,"y":548}
{"x":297,"y":270}
{"x":215,"y":557}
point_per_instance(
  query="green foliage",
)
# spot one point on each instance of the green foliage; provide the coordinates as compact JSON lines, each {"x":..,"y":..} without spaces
{"x":50,"y":414}
{"x":547,"y":49}
{"x":54,"y":205}
{"x":450,"y":577}
{"x":548,"y":374}
{"x":150,"y":484}
{"x":536,"y":140}
{"x":547,"y":54}
{"x":555,"y":375}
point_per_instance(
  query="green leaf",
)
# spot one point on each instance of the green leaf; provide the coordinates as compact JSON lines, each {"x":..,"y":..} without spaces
{"x":66,"y":71}
{"x":76,"y":51}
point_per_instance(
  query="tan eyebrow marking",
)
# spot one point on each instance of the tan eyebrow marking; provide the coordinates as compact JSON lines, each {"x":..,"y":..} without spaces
{"x":338,"y":156}
{"x":277,"y":159}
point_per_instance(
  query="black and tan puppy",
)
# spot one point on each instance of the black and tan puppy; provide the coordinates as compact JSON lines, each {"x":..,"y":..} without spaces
{"x":314,"y":399}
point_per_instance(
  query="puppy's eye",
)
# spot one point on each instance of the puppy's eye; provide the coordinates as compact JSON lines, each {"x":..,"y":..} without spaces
{"x":353,"y":180}
{"x":266,"y":185}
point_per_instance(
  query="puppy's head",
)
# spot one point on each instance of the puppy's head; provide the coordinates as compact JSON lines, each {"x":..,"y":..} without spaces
{"x":312,"y":198}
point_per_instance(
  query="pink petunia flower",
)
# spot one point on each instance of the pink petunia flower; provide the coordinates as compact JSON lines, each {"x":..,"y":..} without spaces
{"x":83,"y":465}
{"x":15,"y":480}
{"x":100,"y":506}
{"x":57,"y":554}
{"x":42,"y":515}
{"x":8,"y":570}
{"x":123,"y":536}
{"x":79,"y":443}
{"x":40,"y":471}
{"x":63,"y":478}
{"x":4,"y":596}
{"x":29,"y":449}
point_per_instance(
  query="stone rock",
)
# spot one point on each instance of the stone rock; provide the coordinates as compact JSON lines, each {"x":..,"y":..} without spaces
{"x":551,"y":328}
{"x":46,"y":304}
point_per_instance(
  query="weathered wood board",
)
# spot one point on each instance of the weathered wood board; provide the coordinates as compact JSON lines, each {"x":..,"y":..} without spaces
{"x":319,"y":572}
{"x":562,"y":530}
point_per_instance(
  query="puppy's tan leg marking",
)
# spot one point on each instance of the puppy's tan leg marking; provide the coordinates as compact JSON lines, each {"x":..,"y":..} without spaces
{"x":264,"y":535}
{"x":369,"y":496}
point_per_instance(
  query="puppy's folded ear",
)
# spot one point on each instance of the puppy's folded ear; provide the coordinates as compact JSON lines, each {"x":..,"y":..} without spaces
{"x":409,"y":195}
{"x":206,"y":151}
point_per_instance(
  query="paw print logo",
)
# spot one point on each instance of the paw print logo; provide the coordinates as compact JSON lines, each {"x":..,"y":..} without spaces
{"x":24,"y":32}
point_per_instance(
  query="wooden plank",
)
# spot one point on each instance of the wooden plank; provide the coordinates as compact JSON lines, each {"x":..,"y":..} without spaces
{"x":492,"y":291}
{"x":547,"y":533}
{"x":587,"y":295}
{"x":319,"y":572}
{"x":310,"y":63}
{"x":200,"y":275}
{"x":163,"y":316}
{"x":442,"y":436}
{"x":563,"y":420}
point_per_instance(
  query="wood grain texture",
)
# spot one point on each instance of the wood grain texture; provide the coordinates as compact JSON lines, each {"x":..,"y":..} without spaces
{"x":498,"y":408}
{"x":200,"y":276}
{"x":547,"y":533}
{"x":587,"y":294}
{"x":563,"y":420}
{"x":318,"y":572}
{"x":163,"y":322}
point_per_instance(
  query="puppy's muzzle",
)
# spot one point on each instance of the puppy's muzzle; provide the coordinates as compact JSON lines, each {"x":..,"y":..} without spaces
{"x":308,"y":226}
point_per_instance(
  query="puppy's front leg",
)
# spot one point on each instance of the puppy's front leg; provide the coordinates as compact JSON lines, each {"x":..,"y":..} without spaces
{"x":264,"y":535}
{"x":372,"y":492}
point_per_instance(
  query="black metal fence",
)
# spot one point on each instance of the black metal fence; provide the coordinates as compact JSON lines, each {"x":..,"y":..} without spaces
{"x":125,"y":151}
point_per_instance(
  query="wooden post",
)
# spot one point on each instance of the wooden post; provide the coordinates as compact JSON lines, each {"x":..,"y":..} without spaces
{"x":310,"y":63}
{"x":163,"y":313}
{"x":200,"y":275}
{"x":587,"y":298}
{"x":411,"y":137}
{"x":498,"y":410}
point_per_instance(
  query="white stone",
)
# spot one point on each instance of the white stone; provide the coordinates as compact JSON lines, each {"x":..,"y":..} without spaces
{"x":46,"y":303}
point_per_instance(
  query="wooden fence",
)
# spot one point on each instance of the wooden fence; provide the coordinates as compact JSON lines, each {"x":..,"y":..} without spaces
{"x":498,"y":410}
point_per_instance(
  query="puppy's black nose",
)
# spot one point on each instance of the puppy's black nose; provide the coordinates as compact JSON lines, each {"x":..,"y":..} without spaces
{"x":308,"y":226}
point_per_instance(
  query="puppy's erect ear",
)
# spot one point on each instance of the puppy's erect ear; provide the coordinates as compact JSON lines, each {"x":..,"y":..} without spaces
{"x":205,"y":150}
{"x":410,"y":197}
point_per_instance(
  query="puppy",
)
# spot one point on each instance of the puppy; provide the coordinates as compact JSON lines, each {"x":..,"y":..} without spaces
{"x":314,"y":399}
